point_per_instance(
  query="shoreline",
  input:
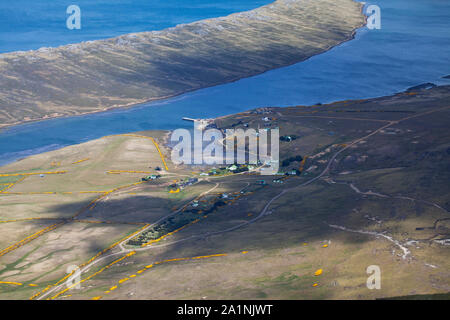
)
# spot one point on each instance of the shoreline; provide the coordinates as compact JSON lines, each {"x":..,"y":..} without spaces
{"x":56,"y":113}
{"x":133,"y":105}
{"x":167,"y":131}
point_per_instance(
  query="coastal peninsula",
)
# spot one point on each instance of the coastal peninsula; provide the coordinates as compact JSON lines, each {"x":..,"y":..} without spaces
{"x":135,"y":68}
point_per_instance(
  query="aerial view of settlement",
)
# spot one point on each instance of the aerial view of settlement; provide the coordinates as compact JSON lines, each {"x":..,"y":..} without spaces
{"x":224,"y":150}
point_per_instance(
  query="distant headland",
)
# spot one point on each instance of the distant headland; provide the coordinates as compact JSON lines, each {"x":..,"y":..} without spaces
{"x":135,"y":68}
